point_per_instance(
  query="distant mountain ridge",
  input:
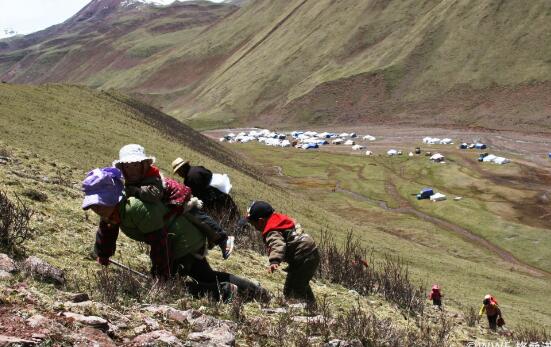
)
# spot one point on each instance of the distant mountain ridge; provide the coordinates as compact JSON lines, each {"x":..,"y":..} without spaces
{"x":448,"y":62}
{"x":7,"y":32}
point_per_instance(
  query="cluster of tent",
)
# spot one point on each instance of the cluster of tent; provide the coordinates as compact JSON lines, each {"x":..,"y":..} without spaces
{"x":476,"y":145}
{"x":490,"y":158}
{"x":265,"y":136}
{"x":299,"y":139}
{"x":437,"y":141}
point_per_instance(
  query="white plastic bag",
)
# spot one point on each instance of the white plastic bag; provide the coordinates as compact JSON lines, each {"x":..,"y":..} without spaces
{"x":221,"y":182}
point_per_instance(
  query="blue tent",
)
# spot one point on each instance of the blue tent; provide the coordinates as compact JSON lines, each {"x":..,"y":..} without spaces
{"x":310,"y":146}
{"x":480,"y":146}
{"x":425,"y":193}
{"x":549,"y":154}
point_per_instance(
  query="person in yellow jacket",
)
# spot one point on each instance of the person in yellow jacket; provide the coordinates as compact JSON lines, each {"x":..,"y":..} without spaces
{"x":491,"y":308}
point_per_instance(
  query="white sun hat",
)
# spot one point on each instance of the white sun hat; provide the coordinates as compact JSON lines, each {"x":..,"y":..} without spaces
{"x":132,"y":154}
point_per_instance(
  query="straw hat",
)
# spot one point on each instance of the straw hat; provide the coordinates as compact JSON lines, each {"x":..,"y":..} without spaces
{"x":178,"y":163}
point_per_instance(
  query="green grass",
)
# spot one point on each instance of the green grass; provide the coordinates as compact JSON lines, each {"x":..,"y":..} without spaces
{"x":56,"y":131}
{"x":435,"y":255}
{"x":62,"y":131}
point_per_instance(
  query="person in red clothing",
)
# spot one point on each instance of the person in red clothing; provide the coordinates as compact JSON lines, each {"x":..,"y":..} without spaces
{"x":436,"y":296}
{"x":285,"y":244}
{"x":144,"y":181}
{"x":493,"y":312}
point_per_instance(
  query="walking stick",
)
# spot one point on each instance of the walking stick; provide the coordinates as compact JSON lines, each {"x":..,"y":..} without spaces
{"x":128,"y":269}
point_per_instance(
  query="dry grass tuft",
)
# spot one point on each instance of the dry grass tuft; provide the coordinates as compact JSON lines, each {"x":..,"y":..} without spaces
{"x":14,"y":223}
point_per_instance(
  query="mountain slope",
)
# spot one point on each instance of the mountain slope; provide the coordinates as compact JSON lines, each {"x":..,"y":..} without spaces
{"x":475,"y":63}
{"x":64,"y":131}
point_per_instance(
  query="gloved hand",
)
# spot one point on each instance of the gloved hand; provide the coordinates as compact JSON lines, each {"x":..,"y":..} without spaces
{"x":103,"y":261}
{"x":193,"y":203}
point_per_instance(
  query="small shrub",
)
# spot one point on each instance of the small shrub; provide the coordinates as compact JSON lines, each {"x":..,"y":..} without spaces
{"x":5,"y":153}
{"x":350,"y":267}
{"x":532,"y":333}
{"x":356,"y":323}
{"x":35,"y":195}
{"x":237,"y":312}
{"x":430,"y":335}
{"x":471,"y":317}
{"x":321,"y":327}
{"x":117,"y":286}
{"x":14,"y":223}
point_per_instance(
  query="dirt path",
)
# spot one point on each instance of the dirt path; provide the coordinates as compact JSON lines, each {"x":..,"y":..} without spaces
{"x":406,"y":208}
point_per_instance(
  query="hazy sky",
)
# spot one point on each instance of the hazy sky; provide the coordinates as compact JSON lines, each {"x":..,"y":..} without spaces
{"x":27,"y":16}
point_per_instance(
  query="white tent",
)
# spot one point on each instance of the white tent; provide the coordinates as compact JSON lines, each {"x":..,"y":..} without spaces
{"x":431,"y":140}
{"x":368,"y":153}
{"x":369,"y":138}
{"x":392,"y":152}
{"x":438,"y":197}
{"x":357,"y":147}
{"x":410,"y":154}
{"x":501,"y":160}
{"x":344,"y":135}
{"x":437,"y":157}
{"x":446,"y":141}
{"x":337,"y":141}
{"x":349,"y":143}
{"x":489,"y":158}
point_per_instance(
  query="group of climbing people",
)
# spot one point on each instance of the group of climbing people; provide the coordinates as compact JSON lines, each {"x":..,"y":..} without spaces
{"x":180,"y":221}
{"x":489,"y":307}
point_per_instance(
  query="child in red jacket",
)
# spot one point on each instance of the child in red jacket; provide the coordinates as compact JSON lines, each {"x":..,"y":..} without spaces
{"x":285,"y":244}
{"x":436,"y":296}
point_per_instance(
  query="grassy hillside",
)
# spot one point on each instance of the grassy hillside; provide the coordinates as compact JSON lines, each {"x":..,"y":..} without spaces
{"x":376,"y":194}
{"x":476,"y":63}
{"x":56,"y":133}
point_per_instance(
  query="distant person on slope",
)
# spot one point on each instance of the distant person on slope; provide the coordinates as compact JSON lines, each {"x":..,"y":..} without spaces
{"x":436,"y":296}
{"x":217,"y":203}
{"x":491,"y":308}
{"x":144,"y":181}
{"x":286,"y":244}
{"x":176,"y":245}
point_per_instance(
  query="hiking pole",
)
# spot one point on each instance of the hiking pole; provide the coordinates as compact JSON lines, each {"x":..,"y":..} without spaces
{"x":128,"y":269}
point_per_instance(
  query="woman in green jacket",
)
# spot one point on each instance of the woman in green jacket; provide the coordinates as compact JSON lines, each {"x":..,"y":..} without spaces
{"x":177,"y":246}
